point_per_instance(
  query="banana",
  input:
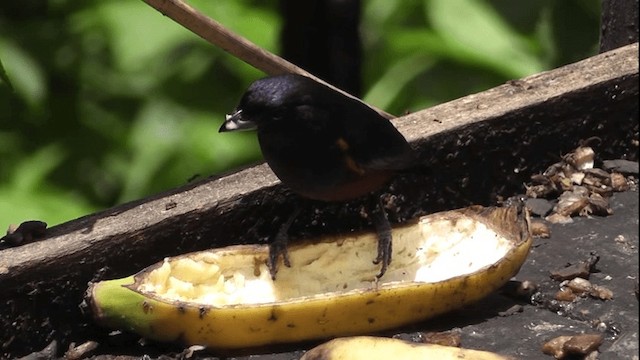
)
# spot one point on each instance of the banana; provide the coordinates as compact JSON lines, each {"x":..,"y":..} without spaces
{"x":381,"y":348}
{"x":225,"y":298}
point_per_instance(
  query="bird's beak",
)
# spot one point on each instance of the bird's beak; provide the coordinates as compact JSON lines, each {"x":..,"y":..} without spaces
{"x":235,"y":122}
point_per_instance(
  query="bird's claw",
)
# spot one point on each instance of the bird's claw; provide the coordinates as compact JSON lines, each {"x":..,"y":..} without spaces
{"x":383,"y":229}
{"x":384,"y":253}
{"x":276,"y":249}
{"x":279,"y":245}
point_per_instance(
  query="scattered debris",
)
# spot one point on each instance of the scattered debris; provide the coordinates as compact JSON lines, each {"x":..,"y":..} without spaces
{"x":512,"y":310}
{"x":581,"y":269}
{"x":189,"y":352}
{"x":540,"y":207}
{"x":621,"y":166}
{"x":577,"y":345}
{"x":520,"y":290}
{"x":540,"y":230}
{"x":619,"y":182}
{"x":583,"y":344}
{"x":81,"y":351}
{"x":444,"y":338}
{"x":601,"y":292}
{"x":565,"y":294}
{"x":554,"y":347}
{"x":527,"y":288}
{"x":581,"y":188}
{"x":48,"y":353}
{"x":579,"y":287}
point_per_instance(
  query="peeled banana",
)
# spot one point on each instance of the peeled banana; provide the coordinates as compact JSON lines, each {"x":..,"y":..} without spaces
{"x":225,"y":298}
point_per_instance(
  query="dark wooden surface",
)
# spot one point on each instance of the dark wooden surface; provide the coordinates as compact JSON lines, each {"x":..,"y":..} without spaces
{"x":476,"y":149}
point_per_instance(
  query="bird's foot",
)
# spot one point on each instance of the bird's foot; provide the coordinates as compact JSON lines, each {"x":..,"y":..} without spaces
{"x":383,"y":229}
{"x":384,"y":254}
{"x":278,"y":246}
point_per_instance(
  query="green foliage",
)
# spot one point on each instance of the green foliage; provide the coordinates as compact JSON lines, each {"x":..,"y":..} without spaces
{"x":30,"y":196}
{"x":423,"y":52}
{"x":106,"y":101}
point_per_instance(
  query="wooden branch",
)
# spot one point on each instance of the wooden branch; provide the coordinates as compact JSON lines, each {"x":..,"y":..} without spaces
{"x":478,"y":148}
{"x":218,"y":35}
{"x":234,"y":44}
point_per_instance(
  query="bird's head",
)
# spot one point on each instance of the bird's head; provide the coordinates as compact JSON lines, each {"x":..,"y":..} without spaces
{"x":268,"y":99}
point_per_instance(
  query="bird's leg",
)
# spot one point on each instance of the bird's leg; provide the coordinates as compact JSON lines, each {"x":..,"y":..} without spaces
{"x":383,"y":229}
{"x":279,"y":244}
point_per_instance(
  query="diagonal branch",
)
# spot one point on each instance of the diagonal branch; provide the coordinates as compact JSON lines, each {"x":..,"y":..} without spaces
{"x":236,"y":45}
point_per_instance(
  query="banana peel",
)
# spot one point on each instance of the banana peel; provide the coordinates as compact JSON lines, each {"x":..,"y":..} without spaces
{"x":381,"y":348}
{"x":225,"y":298}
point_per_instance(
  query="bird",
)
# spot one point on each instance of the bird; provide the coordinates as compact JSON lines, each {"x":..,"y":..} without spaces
{"x":324,"y":146}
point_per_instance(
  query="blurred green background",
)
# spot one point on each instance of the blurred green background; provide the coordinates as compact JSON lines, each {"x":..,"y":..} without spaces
{"x":107,"y":101}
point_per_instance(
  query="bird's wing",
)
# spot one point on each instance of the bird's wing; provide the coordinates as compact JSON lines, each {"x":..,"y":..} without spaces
{"x":374,"y":143}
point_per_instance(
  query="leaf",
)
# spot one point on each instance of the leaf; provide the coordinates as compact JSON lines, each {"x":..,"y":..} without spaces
{"x":4,"y":77}
{"x":154,"y":137}
{"x":139,"y":34}
{"x":29,"y":196}
{"x":27,"y":77}
{"x":32,"y":171}
{"x":475,"y":33}
{"x":52,"y":206}
{"x":390,"y":84}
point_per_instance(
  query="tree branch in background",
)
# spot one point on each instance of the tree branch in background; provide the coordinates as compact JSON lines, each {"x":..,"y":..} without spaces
{"x":619,"y":24}
{"x":234,"y":44}
{"x":323,"y":36}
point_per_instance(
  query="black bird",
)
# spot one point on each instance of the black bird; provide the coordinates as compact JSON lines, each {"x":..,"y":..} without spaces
{"x":323,"y":145}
